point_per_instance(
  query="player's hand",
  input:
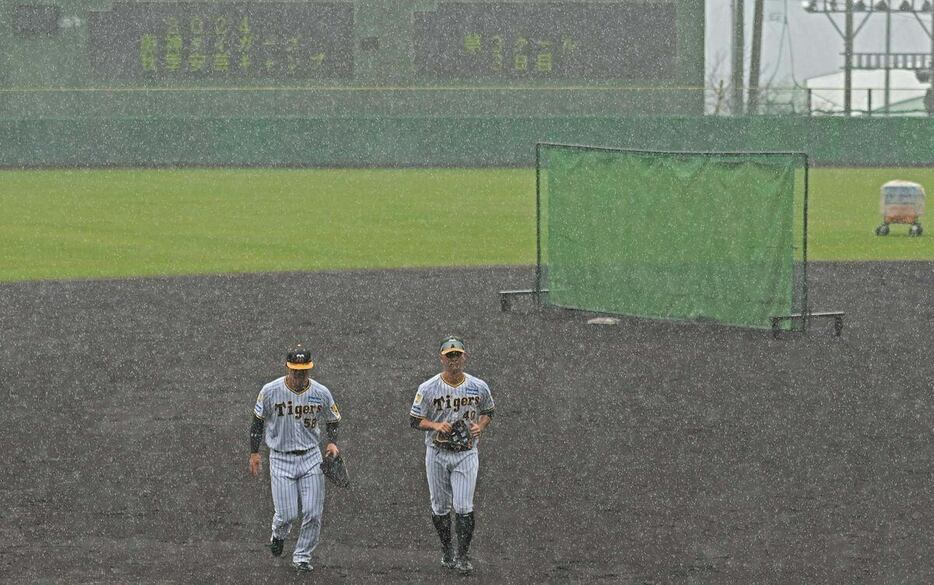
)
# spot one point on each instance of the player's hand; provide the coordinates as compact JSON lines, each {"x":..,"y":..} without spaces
{"x":443,"y":427}
{"x":256,"y":464}
{"x":331,"y":450}
{"x":475,"y":430}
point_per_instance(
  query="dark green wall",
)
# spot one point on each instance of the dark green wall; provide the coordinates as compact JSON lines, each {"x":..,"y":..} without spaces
{"x":445,"y":142}
{"x":52,"y":75}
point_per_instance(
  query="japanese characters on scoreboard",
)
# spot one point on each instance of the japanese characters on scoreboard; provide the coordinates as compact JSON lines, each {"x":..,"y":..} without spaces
{"x":542,"y":41}
{"x":201,"y":40}
{"x":492,"y":41}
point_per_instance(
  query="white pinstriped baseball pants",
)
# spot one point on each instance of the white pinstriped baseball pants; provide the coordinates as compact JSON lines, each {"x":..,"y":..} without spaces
{"x":452,"y":479}
{"x":297,"y":478}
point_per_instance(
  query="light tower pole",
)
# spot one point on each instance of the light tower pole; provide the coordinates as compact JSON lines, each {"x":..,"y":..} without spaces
{"x":755,"y":57}
{"x":932,"y":46}
{"x":921,"y":63}
{"x":738,"y":49}
{"x":848,"y":59}
{"x":888,"y":60}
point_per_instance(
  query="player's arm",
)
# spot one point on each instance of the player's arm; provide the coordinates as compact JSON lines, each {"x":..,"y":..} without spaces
{"x":417,"y":418}
{"x":331,"y":431}
{"x":423,"y":424}
{"x":487,"y":407}
{"x":484,"y":420}
{"x":256,"y":433}
{"x":257,"y":426}
{"x":420,"y":423}
{"x":332,"y":428}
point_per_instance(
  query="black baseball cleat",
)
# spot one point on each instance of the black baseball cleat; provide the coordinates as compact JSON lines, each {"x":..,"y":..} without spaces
{"x":463,"y":566}
{"x":448,"y":560}
{"x":275,"y":546}
{"x":303,"y":567}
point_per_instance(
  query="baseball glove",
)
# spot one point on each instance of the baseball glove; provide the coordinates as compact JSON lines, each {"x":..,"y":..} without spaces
{"x":335,"y":470}
{"x":459,"y":438}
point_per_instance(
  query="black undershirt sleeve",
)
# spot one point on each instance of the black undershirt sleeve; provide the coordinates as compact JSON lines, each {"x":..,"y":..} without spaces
{"x":414,"y":421}
{"x":330,"y":430}
{"x":256,"y":433}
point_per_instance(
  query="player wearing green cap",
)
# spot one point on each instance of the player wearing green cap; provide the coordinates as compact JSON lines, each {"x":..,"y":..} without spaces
{"x":451,"y":467}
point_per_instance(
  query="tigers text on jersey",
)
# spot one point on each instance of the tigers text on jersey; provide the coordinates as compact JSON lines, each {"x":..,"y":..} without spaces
{"x":293,"y":420}
{"x":438,"y":401}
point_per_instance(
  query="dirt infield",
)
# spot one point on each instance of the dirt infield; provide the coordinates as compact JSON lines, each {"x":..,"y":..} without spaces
{"x":647,"y":452}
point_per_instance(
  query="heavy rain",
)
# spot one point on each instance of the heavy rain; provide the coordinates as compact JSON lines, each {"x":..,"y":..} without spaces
{"x":506,"y":292}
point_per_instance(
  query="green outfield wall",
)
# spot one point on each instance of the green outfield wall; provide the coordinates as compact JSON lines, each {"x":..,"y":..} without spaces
{"x":468,"y":142}
{"x":349,"y":58}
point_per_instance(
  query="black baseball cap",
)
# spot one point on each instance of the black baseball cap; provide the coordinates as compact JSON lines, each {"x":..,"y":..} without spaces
{"x":299,"y":358}
{"x":452,"y":344}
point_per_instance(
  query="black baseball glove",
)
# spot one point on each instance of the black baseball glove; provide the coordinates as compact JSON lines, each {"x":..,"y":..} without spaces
{"x":335,"y":470}
{"x":459,"y":438}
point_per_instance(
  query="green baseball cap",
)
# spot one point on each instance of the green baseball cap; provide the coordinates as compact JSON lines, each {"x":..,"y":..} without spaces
{"x":452,"y":344}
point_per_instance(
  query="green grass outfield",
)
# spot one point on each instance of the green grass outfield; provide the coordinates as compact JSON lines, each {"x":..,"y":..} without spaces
{"x":116,"y":223}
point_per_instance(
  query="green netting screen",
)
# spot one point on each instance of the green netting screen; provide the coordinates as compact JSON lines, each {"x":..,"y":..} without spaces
{"x":683,"y":236}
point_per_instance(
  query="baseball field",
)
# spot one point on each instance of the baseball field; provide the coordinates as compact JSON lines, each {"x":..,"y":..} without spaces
{"x":141,"y":311}
{"x":123,"y":223}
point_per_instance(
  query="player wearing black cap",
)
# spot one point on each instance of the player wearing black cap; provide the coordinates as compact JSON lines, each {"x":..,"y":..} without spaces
{"x":289,"y":415}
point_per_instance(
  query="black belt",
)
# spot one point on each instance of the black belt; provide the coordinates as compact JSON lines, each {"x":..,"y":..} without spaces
{"x":299,"y":452}
{"x":448,"y":447}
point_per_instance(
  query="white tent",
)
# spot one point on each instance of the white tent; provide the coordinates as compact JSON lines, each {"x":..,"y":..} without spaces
{"x":906,"y":93}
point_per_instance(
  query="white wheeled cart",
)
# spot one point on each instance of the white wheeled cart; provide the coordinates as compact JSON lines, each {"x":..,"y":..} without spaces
{"x":901,"y":202}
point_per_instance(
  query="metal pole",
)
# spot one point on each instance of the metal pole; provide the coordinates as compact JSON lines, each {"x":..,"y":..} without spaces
{"x":888,"y":53}
{"x":755,"y":56}
{"x":848,"y":59}
{"x":806,"y":311}
{"x":538,"y":225}
{"x":932,"y":49}
{"x":738,"y":54}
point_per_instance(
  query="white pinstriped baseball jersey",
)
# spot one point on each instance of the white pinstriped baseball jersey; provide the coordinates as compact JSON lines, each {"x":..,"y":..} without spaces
{"x":293,"y":420}
{"x":438,"y":401}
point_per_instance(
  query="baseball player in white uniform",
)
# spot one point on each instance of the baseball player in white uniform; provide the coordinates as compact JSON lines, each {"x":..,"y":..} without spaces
{"x":289,"y":415}
{"x":452,"y":471}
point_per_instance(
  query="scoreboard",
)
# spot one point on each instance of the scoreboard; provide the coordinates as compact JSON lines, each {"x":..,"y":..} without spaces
{"x":569,"y":41}
{"x":279,"y":40}
{"x":367,"y":46}
{"x":202,"y":40}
